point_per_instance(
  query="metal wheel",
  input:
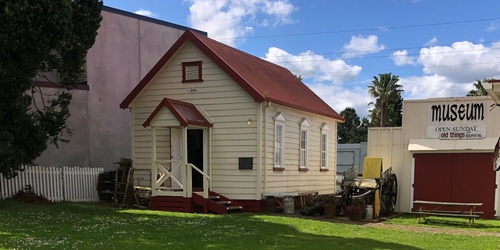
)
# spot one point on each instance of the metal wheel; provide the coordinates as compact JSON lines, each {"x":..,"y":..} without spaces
{"x":389,"y":195}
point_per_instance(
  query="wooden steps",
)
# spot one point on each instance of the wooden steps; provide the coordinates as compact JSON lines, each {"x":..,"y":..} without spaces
{"x":217,"y":203}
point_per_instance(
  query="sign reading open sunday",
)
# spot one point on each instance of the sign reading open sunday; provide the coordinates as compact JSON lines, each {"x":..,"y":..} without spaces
{"x":456,"y":121}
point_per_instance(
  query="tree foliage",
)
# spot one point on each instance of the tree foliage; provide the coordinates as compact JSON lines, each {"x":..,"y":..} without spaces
{"x":37,"y":38}
{"x":353,"y":130}
{"x":478,"y":90}
{"x":388,"y":105}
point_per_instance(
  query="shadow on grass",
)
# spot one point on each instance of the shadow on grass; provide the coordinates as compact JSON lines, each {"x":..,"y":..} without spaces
{"x":97,"y":226}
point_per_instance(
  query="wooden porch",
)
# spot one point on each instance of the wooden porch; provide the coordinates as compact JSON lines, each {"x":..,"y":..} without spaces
{"x":173,"y":194}
{"x":172,"y":185}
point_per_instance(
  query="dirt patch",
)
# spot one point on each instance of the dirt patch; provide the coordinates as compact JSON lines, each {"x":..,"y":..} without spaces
{"x":432,"y":229}
{"x":28,"y":195}
{"x":381,"y":224}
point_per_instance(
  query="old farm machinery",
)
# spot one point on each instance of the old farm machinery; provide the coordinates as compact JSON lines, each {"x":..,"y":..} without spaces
{"x":371,"y":195}
{"x":374,"y":193}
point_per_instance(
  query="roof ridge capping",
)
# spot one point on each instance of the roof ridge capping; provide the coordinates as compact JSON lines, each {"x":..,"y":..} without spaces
{"x":265,"y":94}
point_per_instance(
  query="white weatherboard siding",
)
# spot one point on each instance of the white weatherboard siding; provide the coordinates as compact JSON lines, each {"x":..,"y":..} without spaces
{"x":223,"y":100}
{"x":165,"y":118}
{"x":291,"y":179}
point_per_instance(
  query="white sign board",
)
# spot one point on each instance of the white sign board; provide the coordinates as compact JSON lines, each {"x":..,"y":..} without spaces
{"x":456,"y":132}
{"x":456,"y":121}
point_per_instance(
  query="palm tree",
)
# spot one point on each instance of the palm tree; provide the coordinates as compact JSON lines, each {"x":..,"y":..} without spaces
{"x":387,"y":92}
{"x":478,"y":91}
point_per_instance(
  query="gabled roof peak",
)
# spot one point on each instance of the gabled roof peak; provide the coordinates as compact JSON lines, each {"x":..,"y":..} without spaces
{"x":262,"y":80}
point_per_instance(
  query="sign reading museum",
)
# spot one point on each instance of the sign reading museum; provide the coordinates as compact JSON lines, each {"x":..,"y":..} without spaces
{"x":456,"y":121}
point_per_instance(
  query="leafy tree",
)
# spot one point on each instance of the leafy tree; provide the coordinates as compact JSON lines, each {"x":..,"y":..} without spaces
{"x":478,"y":90}
{"x":374,"y":116}
{"x":363,"y":129}
{"x":395,"y":118}
{"x":352,"y":130}
{"x":387,"y":109}
{"x":39,"y":38}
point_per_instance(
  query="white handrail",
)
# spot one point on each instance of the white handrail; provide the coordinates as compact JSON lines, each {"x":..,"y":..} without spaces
{"x":205,"y":180}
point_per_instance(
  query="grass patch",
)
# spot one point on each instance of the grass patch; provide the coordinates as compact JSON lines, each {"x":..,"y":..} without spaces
{"x":98,"y":226}
{"x":480,"y":225}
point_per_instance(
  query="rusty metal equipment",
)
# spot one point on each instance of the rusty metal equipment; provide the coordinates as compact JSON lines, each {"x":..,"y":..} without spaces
{"x":388,"y":191}
{"x":357,"y":192}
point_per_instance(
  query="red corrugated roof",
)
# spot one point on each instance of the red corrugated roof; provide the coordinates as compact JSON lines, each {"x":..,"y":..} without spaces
{"x":263,"y":80}
{"x":186,"y":113}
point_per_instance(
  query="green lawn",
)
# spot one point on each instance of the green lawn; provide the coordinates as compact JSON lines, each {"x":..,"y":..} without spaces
{"x":98,"y":226}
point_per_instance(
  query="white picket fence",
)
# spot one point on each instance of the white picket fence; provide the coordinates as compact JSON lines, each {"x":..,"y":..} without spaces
{"x":56,"y":184}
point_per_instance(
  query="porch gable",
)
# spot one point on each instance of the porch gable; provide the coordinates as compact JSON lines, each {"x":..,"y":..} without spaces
{"x":174,"y":113}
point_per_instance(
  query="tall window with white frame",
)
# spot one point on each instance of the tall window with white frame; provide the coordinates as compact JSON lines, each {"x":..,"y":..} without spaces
{"x":324,"y":147}
{"x":279,"y":141}
{"x":279,"y":145}
{"x":304,"y":144}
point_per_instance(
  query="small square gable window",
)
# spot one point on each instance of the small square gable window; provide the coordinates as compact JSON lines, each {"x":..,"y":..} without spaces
{"x":191,"y":72}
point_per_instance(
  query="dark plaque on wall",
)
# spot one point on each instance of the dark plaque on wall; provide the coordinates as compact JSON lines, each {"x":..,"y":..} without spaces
{"x":245,"y":163}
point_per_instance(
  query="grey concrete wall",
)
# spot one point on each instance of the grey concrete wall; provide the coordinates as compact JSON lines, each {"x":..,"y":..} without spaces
{"x":127,"y":47}
{"x":74,"y":153}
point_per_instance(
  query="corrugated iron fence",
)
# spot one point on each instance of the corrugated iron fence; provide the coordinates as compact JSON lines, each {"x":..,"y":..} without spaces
{"x":56,"y":184}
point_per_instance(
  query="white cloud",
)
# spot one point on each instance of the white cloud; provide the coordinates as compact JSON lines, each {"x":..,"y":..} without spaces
{"x":281,"y":10}
{"x":327,"y":77}
{"x":401,"y":58}
{"x":431,"y":42}
{"x":360,"y":45}
{"x":144,"y":12}
{"x":492,"y":27}
{"x":462,"y":61}
{"x":311,"y":65}
{"x":432,"y":86}
{"x":340,"y":98}
{"x":224,"y":19}
{"x":451,"y":70}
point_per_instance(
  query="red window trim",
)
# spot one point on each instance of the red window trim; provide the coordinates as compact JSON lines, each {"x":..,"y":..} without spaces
{"x":303,"y":169}
{"x":185,"y":64}
{"x":324,"y":169}
{"x":278,"y":169}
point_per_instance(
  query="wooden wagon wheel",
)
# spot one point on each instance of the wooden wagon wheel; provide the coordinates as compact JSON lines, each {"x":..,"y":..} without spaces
{"x":389,"y":195}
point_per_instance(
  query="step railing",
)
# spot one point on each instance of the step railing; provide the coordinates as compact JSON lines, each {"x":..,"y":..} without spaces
{"x":177,"y":186}
{"x":206,"y":180}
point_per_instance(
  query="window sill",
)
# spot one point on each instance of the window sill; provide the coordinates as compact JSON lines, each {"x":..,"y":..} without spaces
{"x":303,"y":169}
{"x":324,"y":169}
{"x":278,"y":169}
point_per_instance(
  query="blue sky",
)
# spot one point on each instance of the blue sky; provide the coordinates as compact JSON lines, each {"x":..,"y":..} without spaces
{"x":437,"y":48}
